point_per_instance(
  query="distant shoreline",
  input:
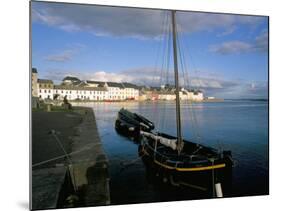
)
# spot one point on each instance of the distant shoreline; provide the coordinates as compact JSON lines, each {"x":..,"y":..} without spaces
{"x":128,"y":101}
{"x":265,"y":100}
{"x":212,"y":100}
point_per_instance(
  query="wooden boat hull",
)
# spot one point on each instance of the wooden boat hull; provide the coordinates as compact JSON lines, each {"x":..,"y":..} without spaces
{"x":200,"y":182}
{"x":129,"y":124}
{"x":198,"y":172}
{"x":127,"y":130}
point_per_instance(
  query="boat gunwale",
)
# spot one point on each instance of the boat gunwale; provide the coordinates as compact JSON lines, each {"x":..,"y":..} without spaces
{"x":215,"y":165}
{"x":188,"y":169}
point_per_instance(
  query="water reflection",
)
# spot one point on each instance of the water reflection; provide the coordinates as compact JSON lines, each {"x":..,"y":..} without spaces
{"x":240,"y":126}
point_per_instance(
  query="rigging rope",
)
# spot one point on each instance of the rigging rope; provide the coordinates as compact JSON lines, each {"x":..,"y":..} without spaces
{"x":187,"y":86}
{"x":186,"y":81}
{"x":159,"y":120}
{"x":169,"y":27}
{"x":158,"y":49}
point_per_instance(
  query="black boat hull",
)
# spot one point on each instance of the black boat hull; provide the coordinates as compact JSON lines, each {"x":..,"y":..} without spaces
{"x":202,"y":182}
{"x":198,"y":174}
{"x":130,"y":124}
{"x":126,"y":129}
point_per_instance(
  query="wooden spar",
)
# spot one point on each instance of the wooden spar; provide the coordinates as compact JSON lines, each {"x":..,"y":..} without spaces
{"x":178,"y":115}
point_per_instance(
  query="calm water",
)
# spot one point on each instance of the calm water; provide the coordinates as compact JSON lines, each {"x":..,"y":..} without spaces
{"x":239,"y":126}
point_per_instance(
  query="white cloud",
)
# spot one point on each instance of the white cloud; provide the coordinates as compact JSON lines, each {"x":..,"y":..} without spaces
{"x":227,"y":31}
{"x":260,"y":44}
{"x":231,"y":47}
{"x":141,"y":76}
{"x":131,"y":22}
{"x":244,"y":89}
{"x":60,"y":57}
{"x":66,"y":54}
{"x":113,"y":77}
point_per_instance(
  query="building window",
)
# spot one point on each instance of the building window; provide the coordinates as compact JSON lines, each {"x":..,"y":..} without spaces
{"x":61,"y":91}
{"x":49,"y":91}
{"x":45,"y":91}
{"x":39,"y":90}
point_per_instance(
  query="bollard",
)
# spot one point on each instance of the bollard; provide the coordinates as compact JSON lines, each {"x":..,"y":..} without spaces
{"x":218,"y":190}
{"x":48,"y":107}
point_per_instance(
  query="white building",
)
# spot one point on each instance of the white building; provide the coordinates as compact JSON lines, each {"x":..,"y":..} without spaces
{"x":45,"y":89}
{"x":196,"y":95}
{"x":166,"y":95}
{"x":162,"y":93}
{"x":115,"y":91}
{"x":73,"y":88}
{"x":193,"y":95}
{"x":130,"y":91}
{"x":95,"y":83}
{"x":80,"y":93}
{"x":34,"y":83}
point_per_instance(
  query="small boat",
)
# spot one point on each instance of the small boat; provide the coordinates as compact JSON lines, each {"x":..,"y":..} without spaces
{"x":130,"y":124}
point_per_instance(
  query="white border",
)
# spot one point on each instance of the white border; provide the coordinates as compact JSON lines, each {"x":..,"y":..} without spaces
{"x":15,"y":102}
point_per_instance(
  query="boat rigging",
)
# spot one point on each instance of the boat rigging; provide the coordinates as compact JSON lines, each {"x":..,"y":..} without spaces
{"x":182,"y":161}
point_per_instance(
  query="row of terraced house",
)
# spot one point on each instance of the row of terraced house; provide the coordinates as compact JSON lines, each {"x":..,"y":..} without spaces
{"x":73,"y":88}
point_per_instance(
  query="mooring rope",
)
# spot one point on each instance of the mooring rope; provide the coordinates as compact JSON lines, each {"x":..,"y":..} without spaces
{"x":63,"y":156}
{"x":86,"y":147}
{"x":126,"y":165}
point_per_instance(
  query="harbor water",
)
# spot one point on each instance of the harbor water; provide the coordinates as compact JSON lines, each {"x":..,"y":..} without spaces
{"x":237,"y":125}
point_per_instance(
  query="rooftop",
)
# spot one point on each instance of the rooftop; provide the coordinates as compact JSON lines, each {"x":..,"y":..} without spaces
{"x":44,"y":81}
{"x":34,"y":70}
{"x":114,"y":84}
{"x":71,"y":78}
{"x":99,"y":83}
{"x":129,"y":85}
{"x":70,"y":87}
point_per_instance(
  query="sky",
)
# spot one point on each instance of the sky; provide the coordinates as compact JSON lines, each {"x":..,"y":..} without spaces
{"x":224,"y":55}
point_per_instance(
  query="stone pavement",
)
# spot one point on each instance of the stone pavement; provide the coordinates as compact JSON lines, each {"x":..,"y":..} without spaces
{"x":54,"y":177}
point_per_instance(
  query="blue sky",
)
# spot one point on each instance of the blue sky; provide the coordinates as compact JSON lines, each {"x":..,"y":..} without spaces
{"x":224,"y":55}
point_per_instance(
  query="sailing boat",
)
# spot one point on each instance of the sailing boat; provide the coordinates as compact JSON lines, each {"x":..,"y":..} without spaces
{"x":182,"y":162}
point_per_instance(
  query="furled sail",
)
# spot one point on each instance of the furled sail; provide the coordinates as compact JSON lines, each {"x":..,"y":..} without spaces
{"x":172,"y":143}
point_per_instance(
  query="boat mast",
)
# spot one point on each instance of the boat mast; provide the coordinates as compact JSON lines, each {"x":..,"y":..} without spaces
{"x":178,"y":116}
